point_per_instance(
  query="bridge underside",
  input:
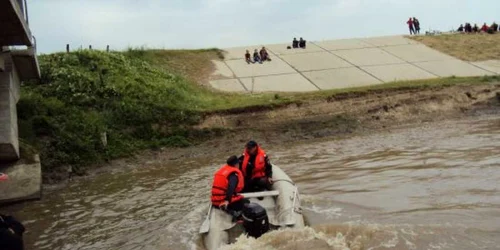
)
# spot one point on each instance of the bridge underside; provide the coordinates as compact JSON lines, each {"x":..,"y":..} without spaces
{"x":16,"y":65}
{"x":13,"y":27}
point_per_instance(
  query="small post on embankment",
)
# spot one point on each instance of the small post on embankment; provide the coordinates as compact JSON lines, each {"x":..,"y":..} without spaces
{"x":104,"y":139}
{"x":90,"y":47}
{"x":107,"y":48}
{"x":67,"y":48}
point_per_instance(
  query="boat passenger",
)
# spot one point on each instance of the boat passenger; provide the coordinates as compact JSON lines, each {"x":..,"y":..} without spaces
{"x":256,"y":168}
{"x":228,"y":183}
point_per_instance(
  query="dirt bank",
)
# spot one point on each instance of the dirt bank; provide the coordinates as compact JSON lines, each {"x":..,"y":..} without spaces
{"x":334,"y":117}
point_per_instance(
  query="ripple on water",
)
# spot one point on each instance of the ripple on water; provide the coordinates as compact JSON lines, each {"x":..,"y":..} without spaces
{"x":430,"y":187}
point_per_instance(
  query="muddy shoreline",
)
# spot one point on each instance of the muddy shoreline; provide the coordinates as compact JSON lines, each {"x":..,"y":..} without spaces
{"x":334,"y":117}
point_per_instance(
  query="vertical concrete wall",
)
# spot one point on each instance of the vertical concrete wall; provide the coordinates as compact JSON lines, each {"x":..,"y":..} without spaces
{"x":9,"y":96}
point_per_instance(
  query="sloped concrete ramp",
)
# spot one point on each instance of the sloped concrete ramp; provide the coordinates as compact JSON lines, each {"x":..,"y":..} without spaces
{"x":24,"y":180}
{"x":341,"y":78}
{"x":337,"y":64}
{"x":491,"y":65}
{"x":279,"y":83}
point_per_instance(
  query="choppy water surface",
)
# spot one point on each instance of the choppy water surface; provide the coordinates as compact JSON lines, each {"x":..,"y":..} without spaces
{"x":436,"y":186}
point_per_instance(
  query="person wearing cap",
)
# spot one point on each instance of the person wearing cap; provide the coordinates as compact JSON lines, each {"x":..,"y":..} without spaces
{"x":256,"y":168}
{"x":228,"y":183}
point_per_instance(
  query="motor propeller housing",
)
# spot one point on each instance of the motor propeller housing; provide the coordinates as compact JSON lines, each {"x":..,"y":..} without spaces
{"x":255,"y":220}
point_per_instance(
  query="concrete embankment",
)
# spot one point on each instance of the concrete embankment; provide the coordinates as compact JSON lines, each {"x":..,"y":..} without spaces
{"x":337,"y":64}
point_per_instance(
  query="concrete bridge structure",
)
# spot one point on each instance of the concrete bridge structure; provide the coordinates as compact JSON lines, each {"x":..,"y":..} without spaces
{"x":18,"y":63}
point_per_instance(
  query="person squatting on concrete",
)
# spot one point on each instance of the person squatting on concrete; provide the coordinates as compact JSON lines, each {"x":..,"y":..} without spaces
{"x":248,"y":58}
{"x":264,"y":56}
{"x":256,"y":57}
{"x":302,"y":43}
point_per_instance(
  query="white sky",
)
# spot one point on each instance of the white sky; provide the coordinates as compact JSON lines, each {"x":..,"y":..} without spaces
{"x":229,"y":23}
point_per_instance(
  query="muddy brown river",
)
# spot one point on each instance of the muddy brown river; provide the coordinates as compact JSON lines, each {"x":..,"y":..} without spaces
{"x":434,"y":186}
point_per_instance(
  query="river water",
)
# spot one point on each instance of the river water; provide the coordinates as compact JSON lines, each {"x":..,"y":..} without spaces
{"x":435,"y":186}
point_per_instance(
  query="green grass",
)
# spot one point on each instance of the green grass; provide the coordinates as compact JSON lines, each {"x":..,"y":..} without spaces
{"x":141,"y":99}
{"x":468,"y":47}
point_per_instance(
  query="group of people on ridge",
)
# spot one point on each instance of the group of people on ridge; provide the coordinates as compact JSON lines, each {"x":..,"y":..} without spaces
{"x":468,"y":28}
{"x":251,"y":172}
{"x":413,"y":25}
{"x":258,"y":56}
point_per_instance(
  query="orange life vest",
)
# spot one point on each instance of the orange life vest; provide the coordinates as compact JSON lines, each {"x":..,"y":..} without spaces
{"x":259,"y":169}
{"x":221,"y":183}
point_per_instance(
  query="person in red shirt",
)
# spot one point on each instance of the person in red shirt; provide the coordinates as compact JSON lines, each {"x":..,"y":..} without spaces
{"x":411,"y":26}
{"x":485,"y":28}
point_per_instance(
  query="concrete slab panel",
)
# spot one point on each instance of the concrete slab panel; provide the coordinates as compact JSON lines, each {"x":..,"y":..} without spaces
{"x":24,"y":181}
{"x":491,"y":65}
{"x":368,"y":57}
{"x":341,"y":78}
{"x":388,"y":41}
{"x":343,"y":44}
{"x":279,"y":83}
{"x":315,"y":61}
{"x":417,"y":53}
{"x":398,"y":72}
{"x":274,"y":67}
{"x":453,"y":68}
{"x":221,"y":70}
{"x":237,"y":52}
{"x":280,"y":49}
{"x":229,"y":85}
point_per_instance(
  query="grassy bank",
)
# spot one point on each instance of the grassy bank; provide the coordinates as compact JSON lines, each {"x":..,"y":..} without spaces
{"x":138,"y":105}
{"x":468,"y":47}
{"x":141,"y":99}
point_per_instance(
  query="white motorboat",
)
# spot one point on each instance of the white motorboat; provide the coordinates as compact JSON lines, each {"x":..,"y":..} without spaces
{"x":281,"y":204}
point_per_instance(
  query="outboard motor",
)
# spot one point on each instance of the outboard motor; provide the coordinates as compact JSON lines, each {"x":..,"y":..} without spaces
{"x":255,"y":220}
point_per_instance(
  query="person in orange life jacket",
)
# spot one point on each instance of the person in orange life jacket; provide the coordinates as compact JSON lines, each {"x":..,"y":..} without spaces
{"x":256,"y":168}
{"x":228,"y":182}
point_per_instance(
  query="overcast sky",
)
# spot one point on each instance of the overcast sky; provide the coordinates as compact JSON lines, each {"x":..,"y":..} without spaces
{"x":230,"y":23}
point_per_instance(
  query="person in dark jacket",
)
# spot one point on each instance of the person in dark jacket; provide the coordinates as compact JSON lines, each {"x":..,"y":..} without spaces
{"x":475,"y":29}
{"x":248,"y":58}
{"x":295,"y":43}
{"x":11,"y":233}
{"x":264,"y":56}
{"x":468,"y":28}
{"x":494,"y":27}
{"x":302,"y":43}
{"x":256,"y":167}
{"x":416,"y":23}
